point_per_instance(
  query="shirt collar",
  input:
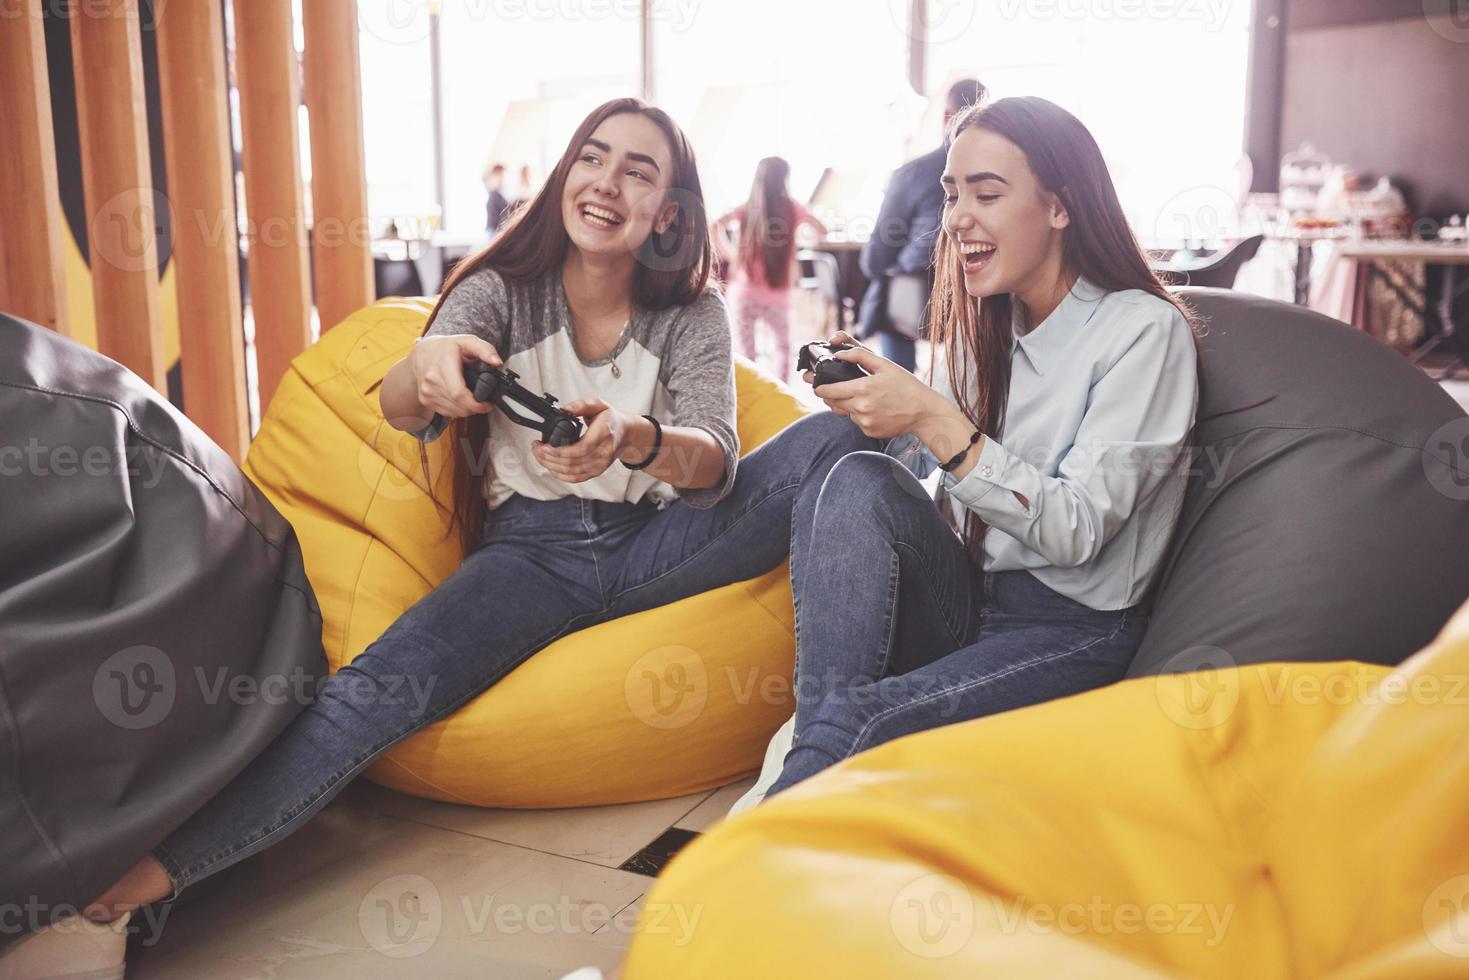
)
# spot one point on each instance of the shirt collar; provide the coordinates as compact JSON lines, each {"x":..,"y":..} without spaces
{"x":1047,"y":343}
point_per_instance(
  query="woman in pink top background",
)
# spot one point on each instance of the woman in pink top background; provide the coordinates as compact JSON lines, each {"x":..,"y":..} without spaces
{"x":762,"y":269}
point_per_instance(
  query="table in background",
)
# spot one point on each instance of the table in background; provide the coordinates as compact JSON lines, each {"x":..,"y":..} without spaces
{"x":1449,"y":255}
{"x":848,"y":254}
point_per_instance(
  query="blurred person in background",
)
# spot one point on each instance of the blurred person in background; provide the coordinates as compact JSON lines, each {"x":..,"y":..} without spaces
{"x":762,"y":265}
{"x":497,"y":205}
{"x":899,"y":256}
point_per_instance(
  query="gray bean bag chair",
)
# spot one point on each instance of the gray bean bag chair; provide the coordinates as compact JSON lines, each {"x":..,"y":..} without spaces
{"x":1327,"y":517}
{"x":156,"y":626}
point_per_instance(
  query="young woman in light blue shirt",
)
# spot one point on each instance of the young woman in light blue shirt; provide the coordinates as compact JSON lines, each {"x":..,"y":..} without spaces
{"x":1073,"y":386}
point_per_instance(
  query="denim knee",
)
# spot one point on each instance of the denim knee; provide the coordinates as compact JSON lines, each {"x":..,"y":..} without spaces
{"x":836,"y":723}
{"x":871,"y":483}
{"x":829,"y":434}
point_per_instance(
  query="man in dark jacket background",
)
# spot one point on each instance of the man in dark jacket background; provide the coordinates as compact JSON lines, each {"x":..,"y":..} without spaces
{"x":898,"y":257}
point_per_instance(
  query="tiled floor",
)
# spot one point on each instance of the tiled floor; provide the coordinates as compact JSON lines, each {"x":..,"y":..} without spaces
{"x":386,"y":885}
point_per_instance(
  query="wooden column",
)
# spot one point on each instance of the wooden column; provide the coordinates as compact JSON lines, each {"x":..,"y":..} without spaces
{"x":341,"y":237}
{"x":280,"y":288}
{"x":32,"y":283}
{"x":196,"y":146}
{"x":122,"y":213}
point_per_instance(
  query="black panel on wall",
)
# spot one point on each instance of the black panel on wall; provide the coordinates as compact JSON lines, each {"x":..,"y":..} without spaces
{"x":1387,"y":97}
{"x":1307,"y":14}
{"x":66,"y":132}
{"x":68,"y":140}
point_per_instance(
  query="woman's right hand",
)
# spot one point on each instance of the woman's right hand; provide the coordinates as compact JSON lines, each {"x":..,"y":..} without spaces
{"x":437,"y":365}
{"x":840,"y":337}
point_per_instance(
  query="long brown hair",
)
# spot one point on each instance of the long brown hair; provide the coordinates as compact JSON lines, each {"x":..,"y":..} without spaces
{"x":673,"y":269}
{"x":1097,"y":244}
{"x":767,"y":230}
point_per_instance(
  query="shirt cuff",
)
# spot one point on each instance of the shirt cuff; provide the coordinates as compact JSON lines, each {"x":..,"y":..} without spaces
{"x":701,"y":498}
{"x":990,"y":470}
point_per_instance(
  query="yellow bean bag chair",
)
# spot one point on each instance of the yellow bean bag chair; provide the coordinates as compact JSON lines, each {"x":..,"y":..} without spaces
{"x":662,"y":703}
{"x":1278,"y":820}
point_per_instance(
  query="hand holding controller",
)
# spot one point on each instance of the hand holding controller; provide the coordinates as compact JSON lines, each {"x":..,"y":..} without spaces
{"x":500,"y":386}
{"x":820,"y":359}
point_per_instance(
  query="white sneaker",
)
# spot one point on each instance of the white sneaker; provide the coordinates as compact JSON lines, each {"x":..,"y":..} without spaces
{"x":585,"y":973}
{"x":775,"y":757}
{"x":75,"y":948}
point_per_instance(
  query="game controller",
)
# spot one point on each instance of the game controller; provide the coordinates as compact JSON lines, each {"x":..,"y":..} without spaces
{"x":820,"y":359}
{"x":500,"y":386}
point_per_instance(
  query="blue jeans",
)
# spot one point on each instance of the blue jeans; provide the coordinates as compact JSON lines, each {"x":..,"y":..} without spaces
{"x":544,"y":569}
{"x":897,"y":633}
{"x":897,"y":348}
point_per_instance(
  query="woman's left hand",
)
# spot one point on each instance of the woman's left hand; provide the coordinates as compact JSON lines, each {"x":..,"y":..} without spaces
{"x":890,"y":401}
{"x":588,"y":457}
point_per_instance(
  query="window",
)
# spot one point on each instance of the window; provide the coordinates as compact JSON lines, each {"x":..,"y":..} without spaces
{"x":518,"y":76}
{"x":1160,"y":84}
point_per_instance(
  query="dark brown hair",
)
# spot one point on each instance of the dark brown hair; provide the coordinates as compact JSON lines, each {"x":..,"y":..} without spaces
{"x":673,"y":269}
{"x":1097,"y":244}
{"x":767,"y":230}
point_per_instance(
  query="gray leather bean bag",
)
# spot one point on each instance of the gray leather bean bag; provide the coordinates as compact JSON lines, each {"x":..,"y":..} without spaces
{"x":1328,"y":517}
{"x":156,"y":626}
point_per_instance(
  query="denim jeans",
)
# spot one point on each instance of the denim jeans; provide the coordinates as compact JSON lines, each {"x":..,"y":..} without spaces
{"x":543,"y":570}
{"x":897,"y":633}
{"x":897,"y":348}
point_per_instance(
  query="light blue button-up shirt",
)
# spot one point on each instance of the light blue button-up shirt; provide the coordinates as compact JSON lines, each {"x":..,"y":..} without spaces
{"x":1102,"y":399}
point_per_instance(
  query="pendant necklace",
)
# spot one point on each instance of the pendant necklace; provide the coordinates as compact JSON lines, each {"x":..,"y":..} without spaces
{"x":616,"y":371}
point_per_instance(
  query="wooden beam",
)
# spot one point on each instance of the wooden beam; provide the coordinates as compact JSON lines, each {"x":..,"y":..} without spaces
{"x":32,"y":280}
{"x":196,"y":147}
{"x":122,"y":211}
{"x":341,"y":236}
{"x":280,"y":287}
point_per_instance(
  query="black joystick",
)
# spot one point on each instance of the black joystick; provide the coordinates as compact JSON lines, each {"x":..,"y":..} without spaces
{"x":500,"y":386}
{"x":820,"y":359}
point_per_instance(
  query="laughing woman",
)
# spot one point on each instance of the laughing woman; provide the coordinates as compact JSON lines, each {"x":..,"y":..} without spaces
{"x":597,"y":291}
{"x":1074,"y":391}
